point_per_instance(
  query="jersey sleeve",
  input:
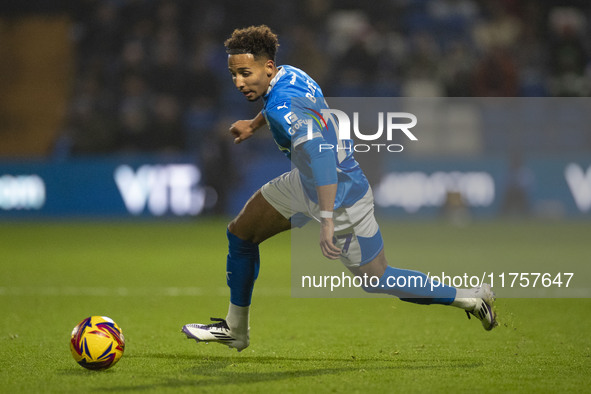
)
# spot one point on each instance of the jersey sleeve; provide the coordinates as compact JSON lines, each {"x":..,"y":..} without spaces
{"x":321,"y":162}
{"x":280,"y":119}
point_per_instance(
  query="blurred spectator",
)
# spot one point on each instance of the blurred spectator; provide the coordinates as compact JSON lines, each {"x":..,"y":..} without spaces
{"x":496,"y":75}
{"x":220,"y":167}
{"x":500,"y":28}
{"x":516,"y":201}
{"x":134,"y":114}
{"x":532,"y":57}
{"x":569,"y":58}
{"x":307,"y":53}
{"x":134,"y":59}
{"x":457,"y":69}
{"x":168,"y":71}
{"x":199,"y":123}
{"x":422,"y":67}
{"x":134,"y":134}
{"x":89,"y":127}
{"x":165,"y":131}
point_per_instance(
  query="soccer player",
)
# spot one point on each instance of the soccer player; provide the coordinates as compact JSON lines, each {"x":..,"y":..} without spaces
{"x":325,"y":185}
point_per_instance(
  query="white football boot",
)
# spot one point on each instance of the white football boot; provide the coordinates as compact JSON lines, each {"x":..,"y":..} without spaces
{"x":217,"y":332}
{"x":484,"y":309}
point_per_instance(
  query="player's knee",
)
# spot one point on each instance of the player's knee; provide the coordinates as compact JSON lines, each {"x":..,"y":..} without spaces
{"x":244,"y":234}
{"x":232,"y":226}
{"x":377,"y":266}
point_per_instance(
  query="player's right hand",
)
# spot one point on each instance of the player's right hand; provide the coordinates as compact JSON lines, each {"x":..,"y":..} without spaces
{"x":329,"y":249}
{"x":241,"y":130}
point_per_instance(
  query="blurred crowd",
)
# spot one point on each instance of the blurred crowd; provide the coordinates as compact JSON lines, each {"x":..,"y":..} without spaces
{"x":151,"y":75}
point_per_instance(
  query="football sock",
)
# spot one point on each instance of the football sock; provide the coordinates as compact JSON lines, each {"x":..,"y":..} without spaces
{"x":413,"y":286}
{"x":242,"y":269}
{"x":238,"y":317}
{"x":466,"y":299}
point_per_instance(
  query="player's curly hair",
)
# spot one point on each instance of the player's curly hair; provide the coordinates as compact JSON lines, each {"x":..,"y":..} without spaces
{"x":257,"y":40}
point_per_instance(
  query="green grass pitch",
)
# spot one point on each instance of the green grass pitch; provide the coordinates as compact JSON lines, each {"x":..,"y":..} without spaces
{"x":152,"y":277}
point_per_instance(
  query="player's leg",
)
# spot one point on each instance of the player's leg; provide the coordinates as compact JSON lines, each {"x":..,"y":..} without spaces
{"x":265,"y":214}
{"x":257,"y":221}
{"x":365,"y":256}
{"x":408,"y":285}
{"x":414,"y":286}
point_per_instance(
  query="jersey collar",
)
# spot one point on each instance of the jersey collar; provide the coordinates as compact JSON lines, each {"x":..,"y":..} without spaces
{"x":276,"y":78}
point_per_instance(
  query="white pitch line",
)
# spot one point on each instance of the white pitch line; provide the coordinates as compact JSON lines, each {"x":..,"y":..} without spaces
{"x":73,"y":291}
{"x":57,"y":291}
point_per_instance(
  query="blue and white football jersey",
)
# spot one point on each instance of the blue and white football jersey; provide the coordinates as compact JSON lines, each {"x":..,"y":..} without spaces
{"x":293,"y":110}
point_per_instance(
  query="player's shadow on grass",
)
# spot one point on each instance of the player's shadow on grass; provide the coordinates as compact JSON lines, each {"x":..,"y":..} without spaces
{"x":220,"y":371}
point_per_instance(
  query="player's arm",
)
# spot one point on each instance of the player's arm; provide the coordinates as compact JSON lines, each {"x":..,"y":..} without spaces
{"x":244,"y":129}
{"x":324,"y":172}
{"x":326,"y":197}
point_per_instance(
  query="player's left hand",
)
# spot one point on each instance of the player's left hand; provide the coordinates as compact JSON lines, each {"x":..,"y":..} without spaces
{"x":241,"y":130}
{"x":329,"y":249}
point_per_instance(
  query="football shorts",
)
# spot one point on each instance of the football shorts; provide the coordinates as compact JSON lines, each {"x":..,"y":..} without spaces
{"x":357,"y":232}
